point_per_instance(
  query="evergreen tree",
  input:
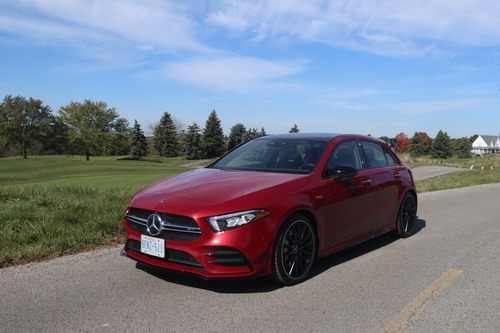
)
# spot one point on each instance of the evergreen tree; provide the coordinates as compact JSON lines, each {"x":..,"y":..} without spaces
{"x":294,"y":129}
{"x":464,"y":149}
{"x":251,"y":134}
{"x":193,"y":148}
{"x":213,"y":137}
{"x":441,"y":147}
{"x":236,"y":136}
{"x":165,"y":134}
{"x":262,"y":132}
{"x":137,"y":141}
{"x":416,"y":146}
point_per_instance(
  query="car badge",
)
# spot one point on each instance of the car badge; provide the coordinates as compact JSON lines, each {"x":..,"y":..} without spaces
{"x":162,"y":200}
{"x":154,"y":224}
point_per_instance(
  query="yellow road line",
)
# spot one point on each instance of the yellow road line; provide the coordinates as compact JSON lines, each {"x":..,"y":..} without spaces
{"x":403,"y":318}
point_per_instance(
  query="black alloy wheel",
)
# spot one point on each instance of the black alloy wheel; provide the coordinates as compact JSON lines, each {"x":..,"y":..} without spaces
{"x":295,"y":251}
{"x":407,"y":216}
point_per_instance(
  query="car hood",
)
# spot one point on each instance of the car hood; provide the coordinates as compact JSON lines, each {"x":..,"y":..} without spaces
{"x":208,"y":190}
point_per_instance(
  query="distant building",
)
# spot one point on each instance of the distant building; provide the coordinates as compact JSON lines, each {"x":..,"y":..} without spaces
{"x":486,"y":144}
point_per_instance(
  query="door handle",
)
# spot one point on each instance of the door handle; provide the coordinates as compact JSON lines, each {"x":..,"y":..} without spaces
{"x":366,"y":182}
{"x":397,"y":175}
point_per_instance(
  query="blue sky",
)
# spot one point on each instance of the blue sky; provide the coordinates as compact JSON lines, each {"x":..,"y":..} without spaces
{"x":359,"y":66}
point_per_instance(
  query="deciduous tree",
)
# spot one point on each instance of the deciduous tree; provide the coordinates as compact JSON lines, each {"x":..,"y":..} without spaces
{"x":426,"y":142}
{"x":402,"y":140}
{"x":91,"y":124}
{"x":23,"y":120}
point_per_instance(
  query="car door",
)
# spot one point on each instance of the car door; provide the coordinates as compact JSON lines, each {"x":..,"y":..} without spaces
{"x":387,"y":183}
{"x":349,"y":201}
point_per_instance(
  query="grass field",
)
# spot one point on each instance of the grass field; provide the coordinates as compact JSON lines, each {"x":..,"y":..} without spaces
{"x":476,"y":176}
{"x":56,"y":205}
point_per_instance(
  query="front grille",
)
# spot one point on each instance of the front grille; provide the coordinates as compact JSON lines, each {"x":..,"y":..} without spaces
{"x":175,"y":227}
{"x":173,"y":256}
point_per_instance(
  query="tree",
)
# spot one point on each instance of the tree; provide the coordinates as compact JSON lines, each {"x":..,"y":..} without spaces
{"x":137,"y":141}
{"x":426,"y":142}
{"x":294,"y":129}
{"x":464,"y":148}
{"x":236,"y":136}
{"x":250,"y":134}
{"x":385,"y":138}
{"x":213,"y":137}
{"x":441,"y":147}
{"x":165,"y":134}
{"x":23,"y":121}
{"x":91,"y":124}
{"x":402,"y":140}
{"x":417,"y":146}
{"x":193,"y":143}
{"x":55,"y":137}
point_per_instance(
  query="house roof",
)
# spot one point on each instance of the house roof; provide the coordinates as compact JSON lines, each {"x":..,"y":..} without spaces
{"x":490,"y":140}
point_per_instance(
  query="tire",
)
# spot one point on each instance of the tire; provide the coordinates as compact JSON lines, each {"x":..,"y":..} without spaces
{"x":294,"y":251}
{"x":407,"y":216}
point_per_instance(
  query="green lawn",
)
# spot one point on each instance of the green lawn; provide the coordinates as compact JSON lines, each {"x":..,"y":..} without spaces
{"x":55,"y":205}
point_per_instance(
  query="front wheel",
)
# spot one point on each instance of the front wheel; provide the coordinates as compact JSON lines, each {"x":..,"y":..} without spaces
{"x":407,"y":216}
{"x":294,"y":251}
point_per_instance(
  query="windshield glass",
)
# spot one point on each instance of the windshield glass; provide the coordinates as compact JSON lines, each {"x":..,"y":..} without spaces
{"x":275,"y":155}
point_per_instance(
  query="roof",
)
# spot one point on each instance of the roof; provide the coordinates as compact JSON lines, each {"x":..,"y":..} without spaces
{"x":490,"y":140}
{"x":305,"y":136}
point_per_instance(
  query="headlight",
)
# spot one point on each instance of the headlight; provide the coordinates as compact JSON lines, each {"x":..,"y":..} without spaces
{"x":235,"y":220}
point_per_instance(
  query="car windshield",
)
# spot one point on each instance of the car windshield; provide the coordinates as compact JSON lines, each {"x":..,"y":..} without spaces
{"x":288,"y":155}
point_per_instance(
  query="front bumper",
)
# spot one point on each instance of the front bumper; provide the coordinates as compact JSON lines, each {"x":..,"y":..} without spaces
{"x":241,"y":252}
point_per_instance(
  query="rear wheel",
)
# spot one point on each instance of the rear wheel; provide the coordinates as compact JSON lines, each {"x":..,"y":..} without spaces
{"x":407,"y":216}
{"x":294,"y":252}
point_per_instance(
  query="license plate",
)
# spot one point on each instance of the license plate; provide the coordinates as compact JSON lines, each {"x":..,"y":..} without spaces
{"x":153,"y":246}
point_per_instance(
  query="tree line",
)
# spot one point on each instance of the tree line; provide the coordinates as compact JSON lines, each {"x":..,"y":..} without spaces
{"x":442,"y":146}
{"x":91,"y":128}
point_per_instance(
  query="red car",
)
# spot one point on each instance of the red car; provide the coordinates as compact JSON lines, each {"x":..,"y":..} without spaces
{"x":272,"y":207}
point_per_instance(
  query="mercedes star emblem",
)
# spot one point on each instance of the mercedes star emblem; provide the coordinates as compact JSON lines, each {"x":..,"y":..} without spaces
{"x":154,"y":224}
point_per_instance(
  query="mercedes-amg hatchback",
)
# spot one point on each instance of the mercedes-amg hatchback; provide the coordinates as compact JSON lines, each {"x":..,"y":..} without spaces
{"x":272,"y":207}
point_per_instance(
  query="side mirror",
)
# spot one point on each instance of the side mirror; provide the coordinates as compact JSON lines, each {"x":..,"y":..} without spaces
{"x":341,"y":172}
{"x":393,"y":143}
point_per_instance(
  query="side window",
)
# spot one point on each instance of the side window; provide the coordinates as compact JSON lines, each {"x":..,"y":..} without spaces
{"x":345,"y":153}
{"x":376,"y":155}
{"x":389,"y":158}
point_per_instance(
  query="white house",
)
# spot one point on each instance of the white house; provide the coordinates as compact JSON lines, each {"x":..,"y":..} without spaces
{"x":486,"y":144}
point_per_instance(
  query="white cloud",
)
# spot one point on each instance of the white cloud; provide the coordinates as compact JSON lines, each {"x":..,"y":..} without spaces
{"x":154,"y":24}
{"x":409,"y":28}
{"x":232,"y":73}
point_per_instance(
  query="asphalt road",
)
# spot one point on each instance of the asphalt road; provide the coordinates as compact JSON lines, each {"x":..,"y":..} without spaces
{"x":433,"y":171}
{"x":445,"y":278}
